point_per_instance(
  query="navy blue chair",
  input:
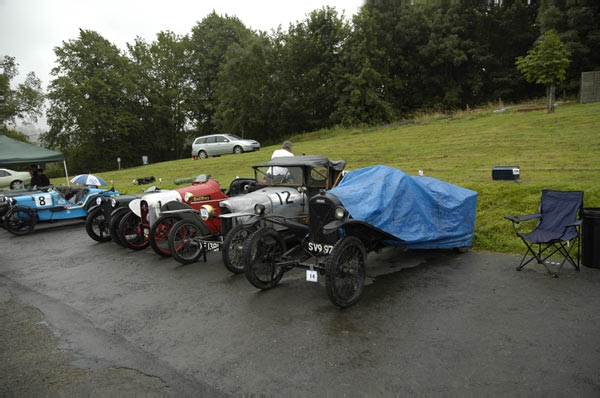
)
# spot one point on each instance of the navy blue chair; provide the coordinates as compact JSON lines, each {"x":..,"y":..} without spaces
{"x":557,"y":230}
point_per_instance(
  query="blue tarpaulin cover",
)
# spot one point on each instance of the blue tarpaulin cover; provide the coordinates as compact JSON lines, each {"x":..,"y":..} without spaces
{"x":423,"y":211}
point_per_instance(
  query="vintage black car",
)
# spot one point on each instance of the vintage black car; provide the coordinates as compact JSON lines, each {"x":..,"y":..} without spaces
{"x":103,"y":218}
{"x":372,"y":208}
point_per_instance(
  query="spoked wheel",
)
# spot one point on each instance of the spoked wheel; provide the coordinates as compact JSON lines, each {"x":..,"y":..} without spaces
{"x":261,"y":252}
{"x":96,"y":226}
{"x":113,"y":227}
{"x":159,"y":234}
{"x":233,"y":247}
{"x":202,"y":155}
{"x":20,"y":221}
{"x":183,"y":245}
{"x":346,"y":271}
{"x":131,"y":233}
{"x":238,"y":150}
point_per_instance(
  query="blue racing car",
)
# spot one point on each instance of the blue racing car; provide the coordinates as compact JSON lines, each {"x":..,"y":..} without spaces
{"x":55,"y":203}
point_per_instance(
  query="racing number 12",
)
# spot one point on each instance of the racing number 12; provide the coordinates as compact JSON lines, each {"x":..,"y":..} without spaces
{"x":287,"y":198}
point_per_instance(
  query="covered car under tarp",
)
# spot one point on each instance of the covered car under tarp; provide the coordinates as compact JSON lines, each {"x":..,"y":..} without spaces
{"x":424,"y":212}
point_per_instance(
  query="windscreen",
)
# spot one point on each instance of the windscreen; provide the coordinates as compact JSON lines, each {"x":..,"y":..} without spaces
{"x":279,"y":176}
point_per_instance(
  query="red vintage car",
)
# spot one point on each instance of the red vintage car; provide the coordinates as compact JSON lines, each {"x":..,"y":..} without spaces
{"x":145,"y":224}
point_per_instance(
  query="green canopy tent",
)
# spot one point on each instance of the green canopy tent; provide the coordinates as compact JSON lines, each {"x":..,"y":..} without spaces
{"x":18,"y":152}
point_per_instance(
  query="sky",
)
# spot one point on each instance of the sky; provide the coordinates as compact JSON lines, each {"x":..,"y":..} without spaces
{"x":31,"y":29}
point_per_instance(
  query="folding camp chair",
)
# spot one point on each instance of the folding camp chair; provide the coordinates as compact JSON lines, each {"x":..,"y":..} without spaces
{"x":557,"y":229}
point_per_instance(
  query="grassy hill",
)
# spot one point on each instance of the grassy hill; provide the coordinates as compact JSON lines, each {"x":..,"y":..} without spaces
{"x":555,"y":151}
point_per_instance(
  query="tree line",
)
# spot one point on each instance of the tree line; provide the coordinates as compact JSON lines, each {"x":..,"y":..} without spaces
{"x":391,"y":59}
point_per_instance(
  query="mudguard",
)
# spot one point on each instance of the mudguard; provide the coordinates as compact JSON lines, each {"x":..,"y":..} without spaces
{"x":367,"y":233}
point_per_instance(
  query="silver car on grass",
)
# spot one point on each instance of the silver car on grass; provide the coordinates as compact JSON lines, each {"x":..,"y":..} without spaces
{"x":222,"y":144}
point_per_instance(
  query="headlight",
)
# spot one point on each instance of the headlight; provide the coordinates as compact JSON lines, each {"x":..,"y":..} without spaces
{"x":340,"y":212}
{"x":3,"y":199}
{"x":98,"y":201}
{"x":113,"y":202}
{"x":188,"y":196}
{"x":259,"y":209}
{"x":207,"y":212}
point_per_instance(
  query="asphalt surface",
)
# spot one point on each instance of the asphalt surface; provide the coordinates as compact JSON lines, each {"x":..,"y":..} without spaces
{"x":83,"y":318}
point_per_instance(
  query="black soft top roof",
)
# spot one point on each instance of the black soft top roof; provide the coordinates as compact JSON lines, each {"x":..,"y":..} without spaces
{"x":301,"y":161}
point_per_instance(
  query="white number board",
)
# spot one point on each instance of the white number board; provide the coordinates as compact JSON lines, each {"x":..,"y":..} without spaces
{"x":311,"y":276}
{"x":43,"y":201}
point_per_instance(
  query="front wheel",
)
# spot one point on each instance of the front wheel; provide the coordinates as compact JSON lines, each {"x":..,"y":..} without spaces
{"x":183,"y":242}
{"x":238,"y":150}
{"x":20,"y":221}
{"x":261,"y":252}
{"x":345,"y":271}
{"x":131,"y":233}
{"x":159,"y":234}
{"x":96,"y":226}
{"x":233,"y":247}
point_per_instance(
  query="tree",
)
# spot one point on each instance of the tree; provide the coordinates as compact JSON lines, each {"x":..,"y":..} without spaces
{"x":162,"y":88}
{"x":247,"y":93}
{"x":577,"y":23}
{"x":310,"y":54}
{"x":93,"y":109}
{"x":546,"y":63}
{"x":25,"y":103}
{"x":208,"y":45}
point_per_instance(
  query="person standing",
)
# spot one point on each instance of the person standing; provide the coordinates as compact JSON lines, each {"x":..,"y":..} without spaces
{"x":35,"y":178}
{"x":286,"y":150}
{"x":43,"y":179}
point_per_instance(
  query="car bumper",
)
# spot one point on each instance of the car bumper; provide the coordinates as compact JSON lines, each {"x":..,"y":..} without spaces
{"x":251,"y":148}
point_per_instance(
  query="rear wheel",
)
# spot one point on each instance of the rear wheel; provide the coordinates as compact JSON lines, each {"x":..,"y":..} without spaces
{"x":17,"y":184}
{"x":96,"y":226}
{"x":346,"y":271}
{"x":238,"y":150}
{"x":233,"y":247}
{"x":131,"y":232}
{"x":261,"y":252}
{"x":113,"y":227}
{"x":159,"y":234}
{"x":20,"y":221}
{"x":202,"y":155}
{"x":184,"y":246}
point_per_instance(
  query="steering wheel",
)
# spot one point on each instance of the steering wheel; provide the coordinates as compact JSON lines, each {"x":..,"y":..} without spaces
{"x":288,"y":178}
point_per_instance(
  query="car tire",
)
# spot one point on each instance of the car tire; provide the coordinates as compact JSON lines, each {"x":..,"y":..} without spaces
{"x":202,"y":155}
{"x":113,"y":227}
{"x":130,"y":232}
{"x":232,"y":252}
{"x":261,"y":251}
{"x":238,"y":150}
{"x":96,"y":226}
{"x":20,"y":221}
{"x":17,"y":184}
{"x":182,"y":245}
{"x":159,"y":234}
{"x":345,"y":271}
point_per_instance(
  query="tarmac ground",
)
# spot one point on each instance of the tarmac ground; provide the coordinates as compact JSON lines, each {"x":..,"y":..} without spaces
{"x":80,"y":318}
